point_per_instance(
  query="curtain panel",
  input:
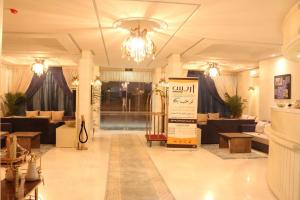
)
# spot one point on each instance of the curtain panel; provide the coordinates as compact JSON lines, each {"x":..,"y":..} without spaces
{"x":50,"y":92}
{"x":21,"y":77}
{"x":208,"y":97}
{"x":69,"y":73}
{"x":226,"y":84}
{"x":5,"y":81}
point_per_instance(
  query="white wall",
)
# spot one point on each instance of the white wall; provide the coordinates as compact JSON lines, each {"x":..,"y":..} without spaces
{"x":268,"y":69}
{"x":250,"y":97}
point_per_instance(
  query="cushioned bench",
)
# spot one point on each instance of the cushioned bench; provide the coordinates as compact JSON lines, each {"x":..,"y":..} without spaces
{"x":43,"y":125}
{"x":260,"y":140}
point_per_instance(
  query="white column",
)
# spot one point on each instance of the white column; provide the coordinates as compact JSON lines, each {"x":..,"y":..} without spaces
{"x":85,"y":71}
{"x":1,"y":25}
{"x":174,"y":67}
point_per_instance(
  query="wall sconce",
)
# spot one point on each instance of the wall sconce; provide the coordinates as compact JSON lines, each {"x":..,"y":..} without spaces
{"x":163,"y":83}
{"x":97,"y":82}
{"x":254,"y":73}
{"x":75,"y":81}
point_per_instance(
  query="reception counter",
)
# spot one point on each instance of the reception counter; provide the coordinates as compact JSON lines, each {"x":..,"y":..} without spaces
{"x":283,"y":173}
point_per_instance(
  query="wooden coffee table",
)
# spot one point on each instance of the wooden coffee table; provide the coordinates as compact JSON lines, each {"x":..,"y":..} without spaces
{"x":28,"y":140}
{"x":236,"y":142}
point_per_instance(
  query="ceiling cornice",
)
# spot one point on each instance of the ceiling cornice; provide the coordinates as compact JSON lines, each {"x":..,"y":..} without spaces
{"x":100,"y":29}
{"x":75,"y":43}
{"x":167,"y":2}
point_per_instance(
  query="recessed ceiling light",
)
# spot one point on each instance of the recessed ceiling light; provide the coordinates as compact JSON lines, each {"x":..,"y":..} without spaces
{"x":273,"y":55}
{"x":298,"y":55}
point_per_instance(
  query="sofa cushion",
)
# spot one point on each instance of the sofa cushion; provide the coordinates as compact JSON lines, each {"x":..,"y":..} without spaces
{"x":34,"y":113}
{"x":45,"y":114}
{"x":260,"y":126}
{"x":258,"y":137}
{"x":57,"y":115}
{"x":70,"y":123}
{"x":213,"y":115}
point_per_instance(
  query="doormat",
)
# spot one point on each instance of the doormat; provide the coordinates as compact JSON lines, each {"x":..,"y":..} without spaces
{"x":131,"y":172}
{"x":225,"y":154}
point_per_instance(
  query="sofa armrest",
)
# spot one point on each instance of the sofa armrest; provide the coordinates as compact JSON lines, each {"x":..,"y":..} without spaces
{"x":247,"y":127}
{"x":6,"y":127}
{"x":67,"y":118}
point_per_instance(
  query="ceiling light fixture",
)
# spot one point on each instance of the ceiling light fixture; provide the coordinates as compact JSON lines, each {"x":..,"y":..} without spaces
{"x":138,"y":45}
{"x":163,"y":83}
{"x":212,"y":70}
{"x":125,"y":85}
{"x":39,"y":67}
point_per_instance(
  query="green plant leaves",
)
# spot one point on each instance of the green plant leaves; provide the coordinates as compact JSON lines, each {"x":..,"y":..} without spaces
{"x":234,"y":104}
{"x":13,"y":102}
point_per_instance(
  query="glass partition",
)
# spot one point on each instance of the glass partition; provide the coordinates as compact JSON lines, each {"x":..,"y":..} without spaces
{"x":123,"y":105}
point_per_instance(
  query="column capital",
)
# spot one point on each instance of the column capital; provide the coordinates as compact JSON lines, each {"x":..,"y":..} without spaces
{"x":87,"y":54}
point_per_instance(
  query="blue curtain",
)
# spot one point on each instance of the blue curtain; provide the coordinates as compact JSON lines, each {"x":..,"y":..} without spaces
{"x":50,"y":92}
{"x":208,"y":98}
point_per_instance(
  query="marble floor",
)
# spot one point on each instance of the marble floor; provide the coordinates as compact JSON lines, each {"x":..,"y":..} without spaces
{"x":190,"y":174}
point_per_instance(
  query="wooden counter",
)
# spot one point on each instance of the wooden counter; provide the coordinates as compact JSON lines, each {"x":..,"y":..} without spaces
{"x":283,"y":171}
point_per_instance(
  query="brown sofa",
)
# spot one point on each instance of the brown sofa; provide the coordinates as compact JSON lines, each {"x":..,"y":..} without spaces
{"x":43,"y":125}
{"x":211,"y":129}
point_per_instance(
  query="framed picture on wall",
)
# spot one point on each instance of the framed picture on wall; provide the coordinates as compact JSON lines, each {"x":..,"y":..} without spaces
{"x":282,"y":86}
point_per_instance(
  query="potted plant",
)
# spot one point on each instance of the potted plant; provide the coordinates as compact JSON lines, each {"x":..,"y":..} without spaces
{"x":234,"y":104}
{"x":14,"y":102}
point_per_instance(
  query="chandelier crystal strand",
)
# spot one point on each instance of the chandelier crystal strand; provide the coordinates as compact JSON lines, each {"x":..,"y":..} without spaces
{"x":138,"y":46}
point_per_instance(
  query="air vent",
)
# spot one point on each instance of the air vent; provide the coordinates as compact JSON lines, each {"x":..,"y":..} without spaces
{"x":128,"y":69}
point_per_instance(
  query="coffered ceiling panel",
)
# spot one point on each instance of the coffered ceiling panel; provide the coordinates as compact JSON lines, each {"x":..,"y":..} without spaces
{"x":48,"y":16}
{"x":238,"y":32}
{"x":241,"y":53}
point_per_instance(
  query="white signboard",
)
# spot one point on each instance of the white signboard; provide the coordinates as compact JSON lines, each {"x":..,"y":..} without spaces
{"x":182,"y":111}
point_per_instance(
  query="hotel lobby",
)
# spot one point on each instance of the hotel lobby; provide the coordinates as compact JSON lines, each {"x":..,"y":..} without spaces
{"x":150,"y":99}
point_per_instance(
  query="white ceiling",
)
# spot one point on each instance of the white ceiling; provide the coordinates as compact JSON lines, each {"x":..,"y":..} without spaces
{"x":236,"y":33}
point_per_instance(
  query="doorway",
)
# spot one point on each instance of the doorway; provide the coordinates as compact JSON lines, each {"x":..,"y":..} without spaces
{"x":123,"y":105}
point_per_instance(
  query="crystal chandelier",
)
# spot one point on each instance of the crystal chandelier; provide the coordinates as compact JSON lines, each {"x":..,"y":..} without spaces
{"x":212,"y":70}
{"x":39,"y":67}
{"x":138,"y":45}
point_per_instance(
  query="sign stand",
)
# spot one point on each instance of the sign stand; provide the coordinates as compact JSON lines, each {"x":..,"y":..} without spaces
{"x":182,"y":112}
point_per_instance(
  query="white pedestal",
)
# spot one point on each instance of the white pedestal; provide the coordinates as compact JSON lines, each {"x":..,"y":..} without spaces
{"x":66,"y":136}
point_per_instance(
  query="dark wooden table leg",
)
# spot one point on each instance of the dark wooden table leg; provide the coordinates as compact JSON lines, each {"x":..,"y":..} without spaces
{"x":35,"y":142}
{"x":223,"y":142}
{"x":36,"y":194}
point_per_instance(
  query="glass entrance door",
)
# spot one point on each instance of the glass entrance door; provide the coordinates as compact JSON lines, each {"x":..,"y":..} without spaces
{"x":123,"y":105}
